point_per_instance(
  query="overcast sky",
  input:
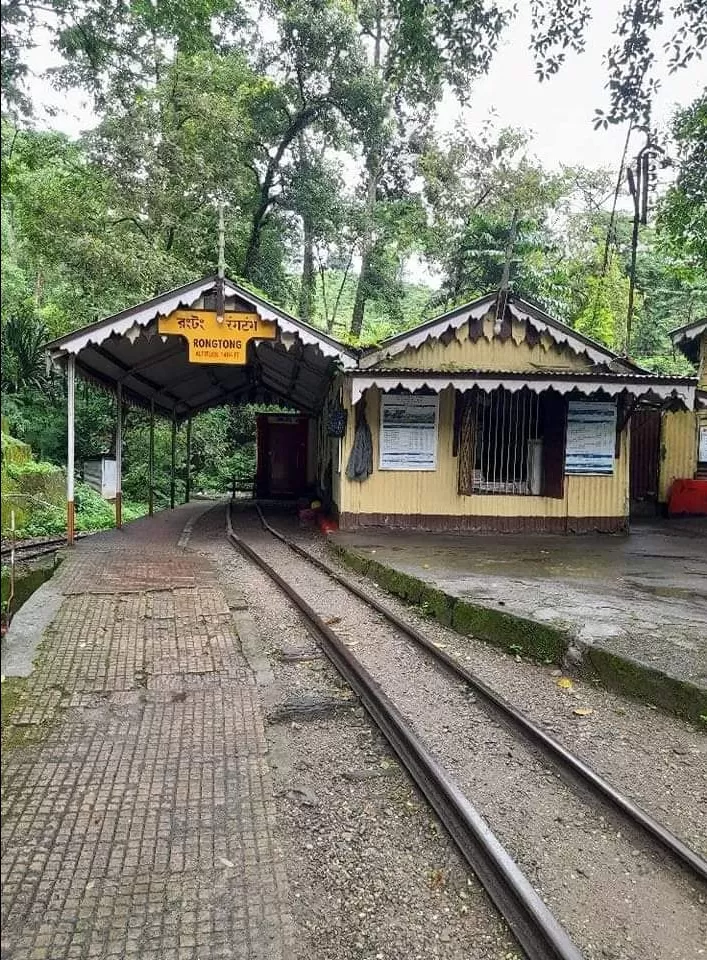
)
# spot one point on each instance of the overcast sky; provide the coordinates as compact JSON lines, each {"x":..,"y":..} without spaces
{"x":559,"y":111}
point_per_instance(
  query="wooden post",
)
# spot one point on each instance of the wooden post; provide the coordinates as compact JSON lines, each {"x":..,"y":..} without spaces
{"x":187,"y":485}
{"x":119,"y":457}
{"x":174,"y":463}
{"x":70,"y":456}
{"x":151,"y":462}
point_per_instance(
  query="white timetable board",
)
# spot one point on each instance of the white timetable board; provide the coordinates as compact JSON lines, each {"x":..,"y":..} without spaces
{"x":591,"y":437}
{"x":408,"y":432}
{"x":702,"y":446}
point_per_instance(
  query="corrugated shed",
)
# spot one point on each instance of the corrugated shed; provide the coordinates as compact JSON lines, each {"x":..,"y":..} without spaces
{"x":678,"y":450}
{"x":434,"y":493}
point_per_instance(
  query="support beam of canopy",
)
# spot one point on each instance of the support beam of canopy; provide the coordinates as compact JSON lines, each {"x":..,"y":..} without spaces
{"x":70,"y":445}
{"x":119,"y":456}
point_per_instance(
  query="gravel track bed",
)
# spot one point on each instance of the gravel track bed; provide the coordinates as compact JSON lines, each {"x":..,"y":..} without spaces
{"x":372,"y":874}
{"x":655,"y":759}
{"x":615,"y":894}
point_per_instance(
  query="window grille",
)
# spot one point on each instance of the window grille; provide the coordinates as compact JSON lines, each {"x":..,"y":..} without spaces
{"x":500,"y":450}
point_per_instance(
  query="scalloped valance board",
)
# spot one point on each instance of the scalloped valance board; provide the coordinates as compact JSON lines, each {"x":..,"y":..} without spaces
{"x":646,"y":387}
{"x":142,"y":320}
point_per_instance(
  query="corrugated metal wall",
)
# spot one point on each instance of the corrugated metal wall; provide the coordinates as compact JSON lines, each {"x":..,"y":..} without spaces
{"x":678,"y":450}
{"x":435,"y":492}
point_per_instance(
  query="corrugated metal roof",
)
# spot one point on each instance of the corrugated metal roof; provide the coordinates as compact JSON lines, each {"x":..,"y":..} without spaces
{"x":522,"y":309}
{"x":526,"y":375}
{"x":126,"y":348}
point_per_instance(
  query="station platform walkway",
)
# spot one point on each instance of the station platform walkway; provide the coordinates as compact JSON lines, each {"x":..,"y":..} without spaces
{"x":137,"y":810}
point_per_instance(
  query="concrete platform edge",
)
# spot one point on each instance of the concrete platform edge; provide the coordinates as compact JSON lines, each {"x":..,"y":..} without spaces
{"x":536,"y":640}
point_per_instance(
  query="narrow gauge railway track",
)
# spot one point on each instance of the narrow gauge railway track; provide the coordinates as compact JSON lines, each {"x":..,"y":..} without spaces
{"x":516,"y":719}
{"x":536,"y":929}
{"x":35,"y":549}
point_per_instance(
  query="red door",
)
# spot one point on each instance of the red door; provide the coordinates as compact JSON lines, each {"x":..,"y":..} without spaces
{"x":282,"y":467}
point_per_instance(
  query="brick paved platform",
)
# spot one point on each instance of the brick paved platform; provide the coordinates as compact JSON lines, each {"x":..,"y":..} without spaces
{"x":137,"y":813}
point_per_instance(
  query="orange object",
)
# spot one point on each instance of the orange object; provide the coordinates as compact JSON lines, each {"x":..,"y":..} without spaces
{"x":688,"y":497}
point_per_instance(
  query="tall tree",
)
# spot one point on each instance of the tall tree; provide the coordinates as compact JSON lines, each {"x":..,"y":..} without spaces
{"x":414,"y":53}
{"x":682,"y":218}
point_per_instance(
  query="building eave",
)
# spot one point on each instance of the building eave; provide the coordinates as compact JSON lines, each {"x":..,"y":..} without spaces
{"x":639,"y":386}
{"x":133,"y":322}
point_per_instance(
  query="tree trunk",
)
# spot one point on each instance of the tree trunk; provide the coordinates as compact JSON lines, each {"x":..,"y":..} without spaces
{"x":298,"y":124}
{"x":306,"y":295}
{"x":359,"y":307}
{"x":373,"y":164}
{"x":362,"y":287}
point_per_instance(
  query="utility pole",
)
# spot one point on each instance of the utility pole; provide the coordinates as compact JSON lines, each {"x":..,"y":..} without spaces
{"x":638,"y":185}
{"x":221,"y":269}
{"x":502,"y":298}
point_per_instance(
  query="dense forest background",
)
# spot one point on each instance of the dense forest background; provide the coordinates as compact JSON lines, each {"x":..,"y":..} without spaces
{"x":315,"y":123}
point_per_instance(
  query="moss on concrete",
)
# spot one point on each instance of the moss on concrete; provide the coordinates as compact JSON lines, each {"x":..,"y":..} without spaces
{"x":518,"y":634}
{"x":634,"y":679}
{"x":513,"y":633}
{"x":10,"y":695}
{"x":535,"y":640}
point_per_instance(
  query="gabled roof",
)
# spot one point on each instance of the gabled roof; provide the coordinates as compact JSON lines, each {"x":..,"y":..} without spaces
{"x":687,"y":337}
{"x":128,"y":322}
{"x":521,"y":309}
{"x":126,"y":349}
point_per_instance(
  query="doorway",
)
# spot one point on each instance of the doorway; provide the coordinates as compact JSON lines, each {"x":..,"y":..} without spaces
{"x":645,"y":462}
{"x":282,"y":456}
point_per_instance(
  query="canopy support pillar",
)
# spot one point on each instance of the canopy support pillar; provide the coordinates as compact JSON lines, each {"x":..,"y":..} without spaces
{"x":151,"y":462}
{"x":119,"y":457}
{"x":173,"y":464}
{"x":70,"y":445}
{"x":187,"y":485}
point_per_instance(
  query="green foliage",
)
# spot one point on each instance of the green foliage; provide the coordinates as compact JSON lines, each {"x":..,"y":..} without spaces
{"x":683,"y":211}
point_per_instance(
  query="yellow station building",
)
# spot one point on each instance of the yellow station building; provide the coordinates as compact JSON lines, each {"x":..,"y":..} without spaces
{"x":493,"y":417}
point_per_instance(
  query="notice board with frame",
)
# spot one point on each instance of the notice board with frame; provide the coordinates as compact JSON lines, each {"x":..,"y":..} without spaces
{"x":408,"y":432}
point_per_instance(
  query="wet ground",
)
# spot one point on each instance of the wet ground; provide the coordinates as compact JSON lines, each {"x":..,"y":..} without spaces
{"x":641,"y":597}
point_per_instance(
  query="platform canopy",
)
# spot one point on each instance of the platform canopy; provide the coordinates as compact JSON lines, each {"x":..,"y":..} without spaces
{"x":127,"y":350}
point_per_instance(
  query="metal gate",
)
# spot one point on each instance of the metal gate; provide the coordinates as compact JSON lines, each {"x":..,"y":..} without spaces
{"x":645,"y":461}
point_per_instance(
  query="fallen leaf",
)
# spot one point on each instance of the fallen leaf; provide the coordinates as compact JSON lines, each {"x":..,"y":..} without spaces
{"x":564,"y":683}
{"x":583,"y":711}
{"x":332,"y":620}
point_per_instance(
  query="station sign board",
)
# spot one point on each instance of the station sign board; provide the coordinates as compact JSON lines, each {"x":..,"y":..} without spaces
{"x":213,"y":342}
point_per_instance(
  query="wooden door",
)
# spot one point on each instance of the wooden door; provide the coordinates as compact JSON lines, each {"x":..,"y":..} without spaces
{"x":287,"y":458}
{"x":645,"y":461}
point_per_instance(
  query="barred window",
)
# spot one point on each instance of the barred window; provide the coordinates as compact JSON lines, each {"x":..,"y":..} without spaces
{"x":511,"y":443}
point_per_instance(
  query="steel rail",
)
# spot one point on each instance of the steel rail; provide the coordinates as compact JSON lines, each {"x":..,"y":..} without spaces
{"x":517,"y":719}
{"x":29,"y":551}
{"x":538,"y":932}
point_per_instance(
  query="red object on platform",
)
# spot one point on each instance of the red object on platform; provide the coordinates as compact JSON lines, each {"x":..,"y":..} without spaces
{"x":688,"y":496}
{"x":327,"y":525}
